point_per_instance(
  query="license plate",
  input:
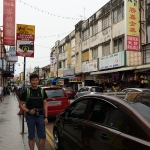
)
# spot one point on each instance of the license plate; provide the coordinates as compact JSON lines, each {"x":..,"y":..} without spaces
{"x":52,"y":103}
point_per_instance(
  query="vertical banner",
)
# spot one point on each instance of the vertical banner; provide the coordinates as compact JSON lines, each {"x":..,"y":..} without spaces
{"x":9,"y":22}
{"x":25,"y":40}
{"x":52,"y":61}
{"x":11,"y":68}
{"x":132,"y":25}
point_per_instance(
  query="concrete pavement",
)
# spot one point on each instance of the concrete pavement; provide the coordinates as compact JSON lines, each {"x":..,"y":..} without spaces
{"x":11,"y":126}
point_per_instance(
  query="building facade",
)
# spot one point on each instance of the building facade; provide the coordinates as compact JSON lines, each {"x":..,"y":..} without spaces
{"x":103,"y":53}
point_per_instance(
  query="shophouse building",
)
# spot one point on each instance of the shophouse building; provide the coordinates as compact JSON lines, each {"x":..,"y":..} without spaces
{"x":109,"y":47}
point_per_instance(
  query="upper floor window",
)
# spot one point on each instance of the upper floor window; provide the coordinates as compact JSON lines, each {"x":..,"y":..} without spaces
{"x":119,"y":45}
{"x":118,"y":14}
{"x":59,"y":64}
{"x":106,"y":49}
{"x":95,"y":29}
{"x":60,"y":49}
{"x":95,"y":53}
{"x":86,"y":34}
{"x":106,"y":22}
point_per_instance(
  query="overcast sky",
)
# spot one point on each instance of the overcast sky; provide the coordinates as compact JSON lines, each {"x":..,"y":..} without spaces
{"x":50,"y":28}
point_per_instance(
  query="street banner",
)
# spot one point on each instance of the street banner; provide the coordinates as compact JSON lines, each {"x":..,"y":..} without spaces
{"x":11,"y":68}
{"x":9,"y":22}
{"x":52,"y":62}
{"x":25,"y":40}
{"x":12,"y":55}
{"x":132,"y":25}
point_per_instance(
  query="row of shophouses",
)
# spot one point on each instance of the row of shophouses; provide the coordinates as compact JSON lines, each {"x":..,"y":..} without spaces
{"x":94,"y":53}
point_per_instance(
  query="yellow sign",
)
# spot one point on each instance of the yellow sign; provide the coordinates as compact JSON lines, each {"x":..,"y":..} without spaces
{"x":67,"y":48}
{"x":85,"y":56}
{"x":25,"y":29}
{"x":132,"y":17}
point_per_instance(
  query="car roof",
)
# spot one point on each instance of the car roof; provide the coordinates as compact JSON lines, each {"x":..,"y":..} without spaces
{"x":90,"y":86}
{"x":51,"y":87}
{"x":139,"y":89}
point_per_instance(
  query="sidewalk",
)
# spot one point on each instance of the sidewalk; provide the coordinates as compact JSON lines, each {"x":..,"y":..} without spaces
{"x":11,"y":126}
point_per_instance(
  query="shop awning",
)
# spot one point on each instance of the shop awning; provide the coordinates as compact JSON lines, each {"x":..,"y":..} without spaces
{"x":142,"y":70}
{"x":113,"y":70}
{"x":7,"y":74}
{"x":67,"y":77}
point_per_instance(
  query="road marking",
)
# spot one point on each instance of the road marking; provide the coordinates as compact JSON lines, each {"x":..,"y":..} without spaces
{"x":50,"y":141}
{"x":50,"y":134}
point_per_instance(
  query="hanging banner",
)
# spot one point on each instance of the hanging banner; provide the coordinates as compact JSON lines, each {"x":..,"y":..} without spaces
{"x":12,"y":54}
{"x":132,"y":25}
{"x":52,"y":62}
{"x":9,"y":22}
{"x":25,"y":40}
{"x":11,"y":68}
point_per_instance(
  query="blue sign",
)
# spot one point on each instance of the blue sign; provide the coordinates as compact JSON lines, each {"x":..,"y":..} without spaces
{"x":11,"y":68}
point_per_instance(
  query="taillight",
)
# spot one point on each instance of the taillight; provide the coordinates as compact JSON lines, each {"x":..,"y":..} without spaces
{"x":90,"y":89}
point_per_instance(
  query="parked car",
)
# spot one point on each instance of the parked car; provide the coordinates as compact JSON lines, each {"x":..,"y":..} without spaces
{"x":70,"y":92}
{"x":57,"y":100}
{"x":87,"y":90}
{"x":101,"y":122}
{"x":136,"y":90}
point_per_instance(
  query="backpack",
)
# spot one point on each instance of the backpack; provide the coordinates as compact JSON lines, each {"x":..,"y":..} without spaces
{"x":28,"y":93}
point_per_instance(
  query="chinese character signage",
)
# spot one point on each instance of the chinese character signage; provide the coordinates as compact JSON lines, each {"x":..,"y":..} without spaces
{"x":132,"y":25}
{"x":25,"y":40}
{"x":52,"y":62}
{"x":11,"y":68}
{"x":9,"y":22}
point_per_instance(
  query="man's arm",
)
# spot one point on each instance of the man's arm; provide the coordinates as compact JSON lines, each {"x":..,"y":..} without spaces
{"x":45,"y":108}
{"x":21,"y":105}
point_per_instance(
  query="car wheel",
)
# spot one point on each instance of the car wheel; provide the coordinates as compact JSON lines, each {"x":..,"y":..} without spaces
{"x":57,"y":142}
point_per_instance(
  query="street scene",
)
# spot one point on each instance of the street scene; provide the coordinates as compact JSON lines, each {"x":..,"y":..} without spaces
{"x":75,"y":75}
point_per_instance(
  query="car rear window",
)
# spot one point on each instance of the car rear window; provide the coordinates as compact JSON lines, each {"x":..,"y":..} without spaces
{"x":52,"y":93}
{"x":96,"y":89}
{"x":141,"y":103}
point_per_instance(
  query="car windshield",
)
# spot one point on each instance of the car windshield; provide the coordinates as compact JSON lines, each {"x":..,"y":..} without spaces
{"x":96,"y":89}
{"x":68,"y":88}
{"x":52,"y":93}
{"x":141,"y":103}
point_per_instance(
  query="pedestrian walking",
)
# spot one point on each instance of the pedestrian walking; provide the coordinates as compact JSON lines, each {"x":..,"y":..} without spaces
{"x":1,"y":94}
{"x":35,"y":103}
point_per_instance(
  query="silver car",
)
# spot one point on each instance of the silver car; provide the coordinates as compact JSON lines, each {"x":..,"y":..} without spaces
{"x":136,"y":90}
{"x":88,"y":90}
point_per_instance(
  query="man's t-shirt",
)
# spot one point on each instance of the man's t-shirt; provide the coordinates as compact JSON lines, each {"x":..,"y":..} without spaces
{"x":35,"y":98}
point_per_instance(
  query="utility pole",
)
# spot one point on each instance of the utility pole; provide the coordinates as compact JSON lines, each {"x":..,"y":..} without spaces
{"x":24,"y":76}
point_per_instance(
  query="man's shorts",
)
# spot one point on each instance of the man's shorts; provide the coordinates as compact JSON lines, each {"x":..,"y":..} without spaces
{"x":33,"y":122}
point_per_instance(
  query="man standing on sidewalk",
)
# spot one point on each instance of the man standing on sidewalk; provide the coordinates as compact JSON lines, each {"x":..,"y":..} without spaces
{"x":35,"y":100}
{"x":1,"y":94}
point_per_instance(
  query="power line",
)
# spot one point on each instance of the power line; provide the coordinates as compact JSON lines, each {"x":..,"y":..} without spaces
{"x":43,"y":11}
{"x":56,"y":35}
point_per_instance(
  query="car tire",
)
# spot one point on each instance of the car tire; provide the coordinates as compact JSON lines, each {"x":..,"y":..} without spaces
{"x":57,"y":142}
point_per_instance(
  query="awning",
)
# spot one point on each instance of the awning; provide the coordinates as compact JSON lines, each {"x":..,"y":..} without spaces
{"x":112,"y":70}
{"x":67,"y":77}
{"x":142,"y":70}
{"x":7,"y":74}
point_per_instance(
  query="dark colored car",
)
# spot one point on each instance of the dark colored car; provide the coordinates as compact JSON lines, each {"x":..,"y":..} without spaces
{"x":87,"y":90}
{"x":70,"y":92}
{"x":57,"y":100}
{"x":101,"y":122}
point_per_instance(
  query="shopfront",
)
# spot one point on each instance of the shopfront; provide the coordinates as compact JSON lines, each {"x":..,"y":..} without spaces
{"x":87,"y":68}
{"x":114,"y":74}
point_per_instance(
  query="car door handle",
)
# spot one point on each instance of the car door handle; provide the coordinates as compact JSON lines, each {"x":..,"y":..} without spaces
{"x":75,"y":127}
{"x":104,"y":137}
